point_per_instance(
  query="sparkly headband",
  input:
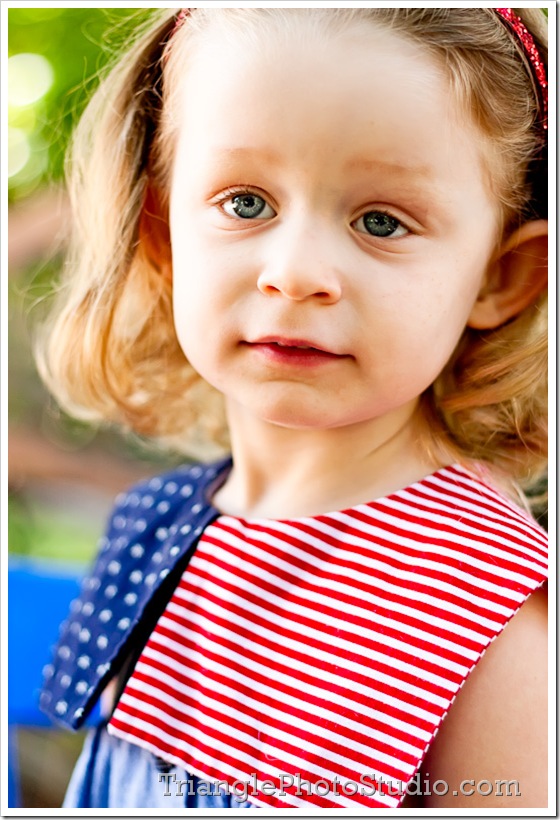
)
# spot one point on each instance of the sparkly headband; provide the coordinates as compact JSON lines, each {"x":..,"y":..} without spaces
{"x":531,"y":53}
{"x":515,"y":25}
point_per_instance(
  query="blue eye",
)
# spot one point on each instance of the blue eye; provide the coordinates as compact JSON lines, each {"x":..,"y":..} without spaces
{"x":380,"y":224}
{"x":248,"y":206}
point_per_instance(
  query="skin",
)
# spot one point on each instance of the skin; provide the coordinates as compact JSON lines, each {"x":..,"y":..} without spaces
{"x":497,"y":728}
{"x":323,"y":139}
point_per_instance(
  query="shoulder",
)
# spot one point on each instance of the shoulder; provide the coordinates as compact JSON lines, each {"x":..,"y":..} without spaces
{"x":482,"y":515}
{"x":152,"y":525}
{"x":496,"y":730}
{"x":151,"y":535}
{"x":151,"y":498}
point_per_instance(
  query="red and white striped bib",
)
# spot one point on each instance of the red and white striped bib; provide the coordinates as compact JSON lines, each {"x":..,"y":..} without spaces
{"x":314,"y":659}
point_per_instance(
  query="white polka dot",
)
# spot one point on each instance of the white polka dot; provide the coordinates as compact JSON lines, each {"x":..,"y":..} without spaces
{"x":161,"y":533}
{"x":150,"y":579}
{"x":119,"y":522}
{"x":137,"y":550}
{"x":198,"y":531}
{"x":147,"y":501}
{"x":48,"y":670}
{"x":101,"y":669}
{"x":163,"y":507}
{"x":105,"y":615}
{"x":164,"y":573}
{"x":75,"y":628}
{"x":75,"y":605}
{"x":61,"y":707}
{"x":196,"y":472}
{"x":120,"y":499}
{"x":102,"y":642}
{"x":87,"y":608}
{"x":111,"y":590}
{"x":135,"y":576}
{"x":81,"y":687}
{"x":186,"y":490}
{"x":114,"y":568}
{"x":171,"y":487}
{"x":157,"y":558}
{"x":130,"y":598}
{"x":92,"y":583}
{"x":124,"y":623}
{"x":84,"y":635}
{"x":185,"y":529}
{"x":196,"y":508}
{"x":140,"y":525}
{"x":84,"y":661}
{"x":91,"y":689}
{"x":174,"y":550}
{"x":65,"y":681}
{"x":120,"y":542}
{"x":134,"y":499}
{"x":79,"y":712}
{"x":103,"y":544}
{"x":173,"y":529}
{"x":155,"y":483}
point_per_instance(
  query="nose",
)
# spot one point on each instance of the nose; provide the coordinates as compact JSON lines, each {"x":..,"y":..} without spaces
{"x":299,"y":268}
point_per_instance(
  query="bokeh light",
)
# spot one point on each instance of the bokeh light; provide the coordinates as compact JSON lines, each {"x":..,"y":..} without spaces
{"x":30,"y":76}
{"x":18,"y":150}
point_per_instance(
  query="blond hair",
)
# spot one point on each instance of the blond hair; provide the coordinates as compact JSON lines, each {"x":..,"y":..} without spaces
{"x":109,"y":350}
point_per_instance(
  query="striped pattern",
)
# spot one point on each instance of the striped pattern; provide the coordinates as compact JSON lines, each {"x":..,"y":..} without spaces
{"x":331,"y":647}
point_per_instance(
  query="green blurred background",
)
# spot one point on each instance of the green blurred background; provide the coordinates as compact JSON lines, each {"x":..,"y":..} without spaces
{"x":63,"y":475}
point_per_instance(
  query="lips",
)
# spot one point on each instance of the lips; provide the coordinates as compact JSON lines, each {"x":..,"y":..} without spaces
{"x":287,"y":352}
{"x":293,"y":344}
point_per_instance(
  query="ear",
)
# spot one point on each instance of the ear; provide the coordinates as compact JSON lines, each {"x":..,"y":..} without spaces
{"x":515,"y":278}
{"x":153,"y":232}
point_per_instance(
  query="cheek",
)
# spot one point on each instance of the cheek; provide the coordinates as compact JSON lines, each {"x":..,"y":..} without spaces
{"x":201,"y":307}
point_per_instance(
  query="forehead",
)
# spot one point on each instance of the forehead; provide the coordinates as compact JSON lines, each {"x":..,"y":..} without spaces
{"x":361,"y":94}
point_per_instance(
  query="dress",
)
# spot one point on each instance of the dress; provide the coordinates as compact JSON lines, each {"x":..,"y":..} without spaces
{"x":327,"y":648}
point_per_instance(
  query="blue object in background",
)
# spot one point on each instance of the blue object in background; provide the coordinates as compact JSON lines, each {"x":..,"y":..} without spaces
{"x":39,"y":596}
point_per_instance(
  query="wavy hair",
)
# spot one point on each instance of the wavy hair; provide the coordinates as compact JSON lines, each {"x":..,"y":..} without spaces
{"x":108,"y":350}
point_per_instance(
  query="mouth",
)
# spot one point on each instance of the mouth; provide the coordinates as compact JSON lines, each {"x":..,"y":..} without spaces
{"x":293,"y":351}
{"x":294,"y":344}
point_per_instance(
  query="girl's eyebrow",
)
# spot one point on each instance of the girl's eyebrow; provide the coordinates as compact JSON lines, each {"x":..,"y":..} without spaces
{"x":395,"y":168}
{"x":271,"y":157}
{"x":250,"y":152}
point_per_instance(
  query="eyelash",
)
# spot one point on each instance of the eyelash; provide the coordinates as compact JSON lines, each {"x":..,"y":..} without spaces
{"x":389,"y":216}
{"x":231,"y":193}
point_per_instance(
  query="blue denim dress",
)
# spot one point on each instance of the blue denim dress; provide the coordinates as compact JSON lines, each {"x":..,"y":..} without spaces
{"x":113,"y":773}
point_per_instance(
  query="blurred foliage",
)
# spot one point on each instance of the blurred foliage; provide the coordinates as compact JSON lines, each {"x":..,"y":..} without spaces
{"x":55,"y":55}
{"x":42,"y":531}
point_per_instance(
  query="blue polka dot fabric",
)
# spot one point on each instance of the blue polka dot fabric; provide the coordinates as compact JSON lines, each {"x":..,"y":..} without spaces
{"x":150,"y":538}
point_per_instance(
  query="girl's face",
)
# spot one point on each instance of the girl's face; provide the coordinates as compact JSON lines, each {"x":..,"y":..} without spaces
{"x":331,"y":224}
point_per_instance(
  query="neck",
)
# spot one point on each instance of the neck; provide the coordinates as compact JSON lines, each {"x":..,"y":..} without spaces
{"x":280,"y":472}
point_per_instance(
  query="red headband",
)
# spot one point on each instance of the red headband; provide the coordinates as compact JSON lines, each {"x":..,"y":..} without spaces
{"x":514,"y":24}
{"x":531,"y":52}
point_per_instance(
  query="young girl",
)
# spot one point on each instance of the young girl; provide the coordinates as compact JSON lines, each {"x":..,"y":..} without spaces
{"x":328,"y":225}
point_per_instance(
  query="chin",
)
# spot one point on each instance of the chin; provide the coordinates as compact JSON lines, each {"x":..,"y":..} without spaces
{"x":291,"y":414}
{"x":304,"y":416}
